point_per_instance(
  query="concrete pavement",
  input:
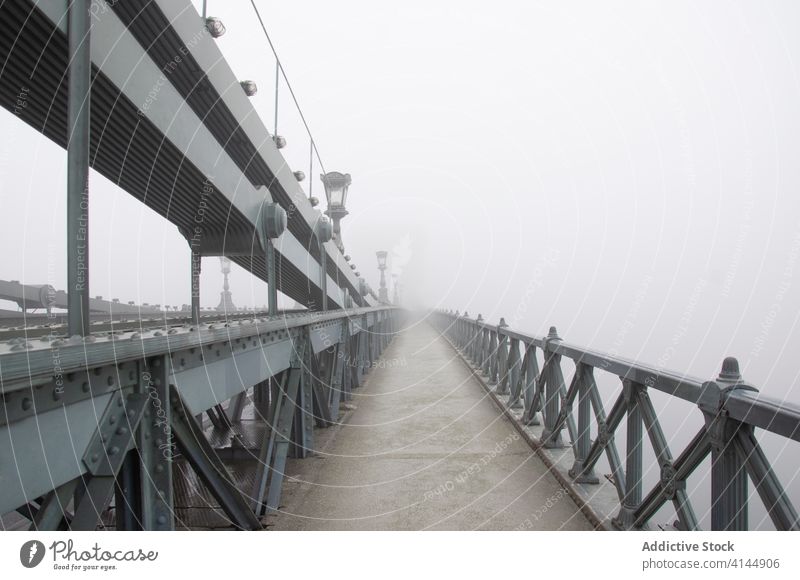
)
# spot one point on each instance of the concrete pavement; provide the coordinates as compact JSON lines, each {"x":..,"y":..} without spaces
{"x":424,"y":448}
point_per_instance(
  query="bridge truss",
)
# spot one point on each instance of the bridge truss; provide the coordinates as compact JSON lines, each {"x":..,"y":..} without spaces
{"x":102,"y":417}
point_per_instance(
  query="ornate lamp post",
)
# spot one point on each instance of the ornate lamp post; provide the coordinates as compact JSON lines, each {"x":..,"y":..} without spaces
{"x":383,"y":292}
{"x":336,"y":186}
{"x":225,"y":300}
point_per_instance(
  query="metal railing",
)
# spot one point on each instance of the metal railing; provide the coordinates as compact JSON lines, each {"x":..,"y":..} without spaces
{"x":731,"y":411}
{"x":79,"y":414}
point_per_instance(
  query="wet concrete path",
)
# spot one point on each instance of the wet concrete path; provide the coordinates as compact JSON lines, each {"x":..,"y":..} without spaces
{"x":424,"y":448}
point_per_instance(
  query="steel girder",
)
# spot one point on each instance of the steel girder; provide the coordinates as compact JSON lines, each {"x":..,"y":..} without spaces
{"x":183,"y":139}
{"x":50,"y":417}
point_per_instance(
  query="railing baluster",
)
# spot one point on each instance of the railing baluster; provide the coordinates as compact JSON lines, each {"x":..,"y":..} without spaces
{"x":633,"y":460}
{"x":484,"y":349}
{"x":531,"y":376}
{"x":502,"y":359}
{"x":583,"y":442}
{"x":515,"y":400}
{"x":514,"y":374}
{"x":495,"y":345}
{"x":487,"y":359}
{"x":551,"y":436}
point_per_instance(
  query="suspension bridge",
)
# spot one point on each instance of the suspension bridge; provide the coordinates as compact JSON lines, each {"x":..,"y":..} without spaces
{"x":348,"y":412}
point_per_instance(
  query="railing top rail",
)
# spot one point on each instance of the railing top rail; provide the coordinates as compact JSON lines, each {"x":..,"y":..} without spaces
{"x":768,"y":413}
{"x":23,"y":362}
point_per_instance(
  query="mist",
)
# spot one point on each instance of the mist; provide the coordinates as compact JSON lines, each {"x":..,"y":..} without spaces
{"x":625,"y":172}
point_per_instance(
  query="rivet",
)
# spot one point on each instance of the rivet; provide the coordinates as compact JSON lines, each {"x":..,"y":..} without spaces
{"x":162,"y":519}
{"x":95,"y":457}
{"x":85,"y":387}
{"x":121,"y":430}
{"x":114,"y":450}
{"x":159,"y":468}
{"x":26,"y":404}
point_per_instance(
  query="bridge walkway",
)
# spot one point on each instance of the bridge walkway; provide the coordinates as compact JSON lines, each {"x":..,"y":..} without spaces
{"x":423,"y":447}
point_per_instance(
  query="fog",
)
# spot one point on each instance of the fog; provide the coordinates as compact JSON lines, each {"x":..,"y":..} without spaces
{"x":626,"y":172}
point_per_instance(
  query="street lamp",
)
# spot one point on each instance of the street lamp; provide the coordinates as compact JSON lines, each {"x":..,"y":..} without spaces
{"x":225,"y":300}
{"x":383,"y":292}
{"x":336,"y":185}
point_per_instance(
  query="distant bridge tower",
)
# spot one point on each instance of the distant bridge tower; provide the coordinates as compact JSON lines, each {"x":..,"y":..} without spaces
{"x":383,"y":291}
{"x":225,"y":300}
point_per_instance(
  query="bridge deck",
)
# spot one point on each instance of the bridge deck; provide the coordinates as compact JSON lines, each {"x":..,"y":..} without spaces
{"x":425,"y":448}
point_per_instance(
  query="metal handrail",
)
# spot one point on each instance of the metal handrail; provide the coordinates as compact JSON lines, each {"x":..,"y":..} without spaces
{"x":731,"y":409}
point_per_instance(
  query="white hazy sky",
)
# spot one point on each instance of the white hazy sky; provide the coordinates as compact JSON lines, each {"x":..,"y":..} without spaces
{"x":626,"y":171}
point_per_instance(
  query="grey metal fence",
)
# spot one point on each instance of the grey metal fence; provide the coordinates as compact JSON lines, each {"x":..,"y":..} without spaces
{"x":731,"y":410}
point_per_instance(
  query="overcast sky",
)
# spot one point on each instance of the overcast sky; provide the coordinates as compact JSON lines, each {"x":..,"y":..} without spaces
{"x":627,"y":172}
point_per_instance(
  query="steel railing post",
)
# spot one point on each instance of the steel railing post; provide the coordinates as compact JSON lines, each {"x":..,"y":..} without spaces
{"x":728,"y":473}
{"x":502,"y":359}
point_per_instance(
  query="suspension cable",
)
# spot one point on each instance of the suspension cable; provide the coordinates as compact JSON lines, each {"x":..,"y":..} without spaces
{"x":289,"y":86}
